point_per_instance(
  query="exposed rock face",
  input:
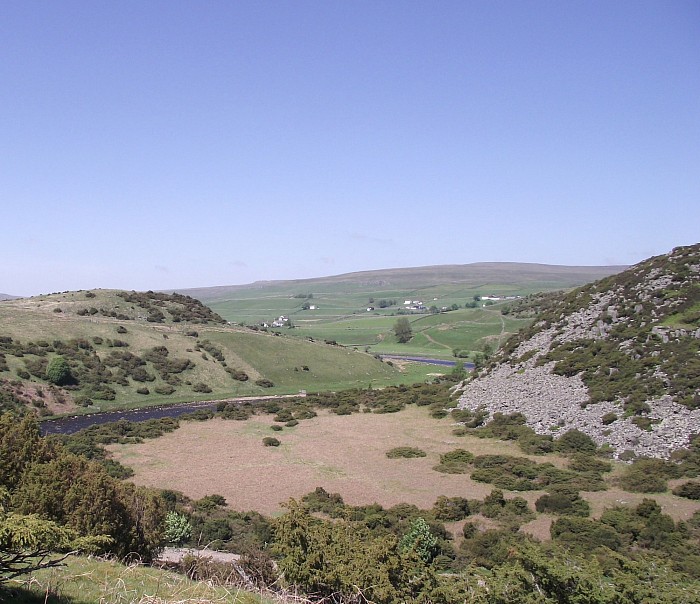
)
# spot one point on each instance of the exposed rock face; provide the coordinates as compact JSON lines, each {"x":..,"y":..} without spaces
{"x":650,"y":314}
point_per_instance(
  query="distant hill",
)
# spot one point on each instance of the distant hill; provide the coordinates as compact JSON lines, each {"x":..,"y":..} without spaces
{"x":144,"y":348}
{"x":359,"y":309}
{"x":514,"y":274}
{"x":618,"y":359}
{"x":8,"y":297}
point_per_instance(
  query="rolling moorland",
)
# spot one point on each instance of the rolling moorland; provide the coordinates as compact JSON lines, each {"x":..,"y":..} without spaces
{"x":425,"y":492}
{"x":359,"y":309}
{"x":128,"y":349}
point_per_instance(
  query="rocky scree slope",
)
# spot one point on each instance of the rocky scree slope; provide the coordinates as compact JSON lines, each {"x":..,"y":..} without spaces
{"x":618,"y":359}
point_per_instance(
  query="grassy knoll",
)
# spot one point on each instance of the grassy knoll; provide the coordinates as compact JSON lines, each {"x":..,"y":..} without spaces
{"x":341,"y":303}
{"x":112,"y":358}
{"x":89,"y":580}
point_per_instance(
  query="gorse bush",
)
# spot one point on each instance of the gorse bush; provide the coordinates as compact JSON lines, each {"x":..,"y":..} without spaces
{"x":407,"y":452}
{"x":455,"y":462}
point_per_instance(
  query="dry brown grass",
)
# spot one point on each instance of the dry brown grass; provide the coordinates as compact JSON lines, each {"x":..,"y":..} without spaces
{"x":342,"y":454}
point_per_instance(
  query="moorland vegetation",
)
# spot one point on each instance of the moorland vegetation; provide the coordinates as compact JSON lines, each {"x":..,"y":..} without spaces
{"x":461,"y":547}
{"x":68,"y":493}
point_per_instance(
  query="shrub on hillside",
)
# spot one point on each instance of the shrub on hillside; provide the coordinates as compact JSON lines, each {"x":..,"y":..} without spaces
{"x":264,"y":383}
{"x":164,"y":389}
{"x":563,"y":503}
{"x":450,"y":509}
{"x":689,"y":490}
{"x":648,"y":476}
{"x":237,"y":374}
{"x":58,"y":371}
{"x":271,"y":441}
{"x":609,"y":418}
{"x":575,"y":441}
{"x":201,"y":387}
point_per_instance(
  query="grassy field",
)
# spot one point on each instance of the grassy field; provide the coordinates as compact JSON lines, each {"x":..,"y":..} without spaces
{"x":277,"y":358}
{"x":91,"y":581}
{"x":343,"y":454}
{"x":341,"y":304}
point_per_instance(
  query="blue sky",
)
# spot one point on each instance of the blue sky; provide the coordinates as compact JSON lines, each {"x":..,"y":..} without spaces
{"x":155,"y":145}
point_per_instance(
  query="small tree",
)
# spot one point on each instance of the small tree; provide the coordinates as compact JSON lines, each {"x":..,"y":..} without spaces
{"x":403,"y":331}
{"x":29,"y":542}
{"x":177,"y":528}
{"x":58,"y":371}
{"x":420,"y":540}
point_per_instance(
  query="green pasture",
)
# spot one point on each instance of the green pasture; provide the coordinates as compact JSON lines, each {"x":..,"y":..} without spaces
{"x":436,"y":334}
{"x":290,"y":363}
{"x":341,"y":313}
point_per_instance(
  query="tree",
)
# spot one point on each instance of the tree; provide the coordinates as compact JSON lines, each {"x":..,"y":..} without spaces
{"x":403,"y":331}
{"x":345,"y":561}
{"x":420,"y":540}
{"x":58,"y":371}
{"x":29,"y":542}
{"x":177,"y":528}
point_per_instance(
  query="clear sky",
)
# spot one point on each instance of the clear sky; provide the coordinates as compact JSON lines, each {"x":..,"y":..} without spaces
{"x":156,"y":145}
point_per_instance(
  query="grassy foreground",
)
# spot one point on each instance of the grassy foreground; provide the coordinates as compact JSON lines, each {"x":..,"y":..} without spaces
{"x":91,"y":581}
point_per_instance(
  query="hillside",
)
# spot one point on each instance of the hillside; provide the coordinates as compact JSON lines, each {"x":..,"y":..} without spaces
{"x":359,"y":309}
{"x":617,"y":359}
{"x":129,"y":349}
{"x":513,"y":275}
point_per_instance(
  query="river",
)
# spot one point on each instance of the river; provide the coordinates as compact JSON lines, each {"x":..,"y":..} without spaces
{"x":75,"y":423}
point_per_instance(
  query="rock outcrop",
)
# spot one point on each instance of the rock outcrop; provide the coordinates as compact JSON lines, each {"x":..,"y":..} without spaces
{"x":618,"y":359}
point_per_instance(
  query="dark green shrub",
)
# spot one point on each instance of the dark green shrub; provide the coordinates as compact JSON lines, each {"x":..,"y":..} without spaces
{"x":609,"y":418}
{"x":121,"y":329}
{"x":237,"y":374}
{"x":406,"y":452}
{"x":582,"y":462}
{"x":291,"y":423}
{"x":143,"y":390}
{"x":648,"y":476}
{"x":103,"y":393}
{"x":276,"y":427}
{"x":584,"y":535}
{"x":536,"y":444}
{"x":575,"y":441}
{"x":284,"y":415}
{"x":271,"y":441}
{"x":164,"y":389}
{"x":58,"y":372}
{"x":563,"y":503}
{"x":689,"y":490}
{"x":264,"y":383}
{"x":201,"y":387}
{"x":449,"y":509}
{"x":469,"y":530}
{"x":23,"y":373}
{"x":82,"y":401}
{"x":455,"y":462}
